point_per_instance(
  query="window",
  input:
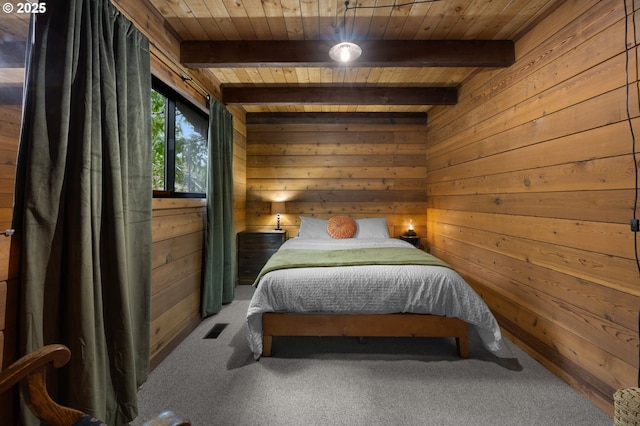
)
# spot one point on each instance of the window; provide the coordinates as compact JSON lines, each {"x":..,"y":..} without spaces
{"x":179,"y":141}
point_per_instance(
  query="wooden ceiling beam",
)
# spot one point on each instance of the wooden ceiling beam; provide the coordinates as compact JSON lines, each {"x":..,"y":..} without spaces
{"x":339,"y":95}
{"x":382,"y":118}
{"x":375,"y":53}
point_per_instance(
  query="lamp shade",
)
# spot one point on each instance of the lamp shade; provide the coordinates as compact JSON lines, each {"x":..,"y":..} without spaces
{"x":277,"y":207}
{"x":345,"y":52}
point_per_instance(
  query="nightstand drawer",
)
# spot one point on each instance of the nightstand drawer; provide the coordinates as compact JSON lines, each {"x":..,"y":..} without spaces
{"x":247,"y":273}
{"x":413,"y":239}
{"x":255,"y":256}
{"x":260,"y":241}
{"x":254,"y":249}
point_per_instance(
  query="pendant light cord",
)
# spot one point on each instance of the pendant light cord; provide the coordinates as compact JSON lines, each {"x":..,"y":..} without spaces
{"x":633,"y":139}
{"x":347,"y":7}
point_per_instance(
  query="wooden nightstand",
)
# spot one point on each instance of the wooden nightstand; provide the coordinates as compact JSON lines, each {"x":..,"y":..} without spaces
{"x":254,"y":249}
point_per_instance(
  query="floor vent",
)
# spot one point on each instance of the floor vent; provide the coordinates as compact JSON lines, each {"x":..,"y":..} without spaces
{"x":215,"y":331}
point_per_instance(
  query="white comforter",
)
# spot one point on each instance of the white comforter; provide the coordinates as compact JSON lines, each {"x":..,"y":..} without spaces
{"x":369,"y":289}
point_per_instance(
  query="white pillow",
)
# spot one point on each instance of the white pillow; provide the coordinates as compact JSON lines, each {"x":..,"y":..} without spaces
{"x":310,"y":227}
{"x":372,"y":228}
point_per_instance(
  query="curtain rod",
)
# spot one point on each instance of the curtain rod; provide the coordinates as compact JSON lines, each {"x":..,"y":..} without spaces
{"x":183,"y":75}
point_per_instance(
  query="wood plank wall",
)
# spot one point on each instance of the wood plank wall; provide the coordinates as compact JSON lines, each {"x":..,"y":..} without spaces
{"x":179,"y":225}
{"x":324,"y":164}
{"x":10,"y":122}
{"x":178,"y":232}
{"x":10,"y":119}
{"x":531,"y":190}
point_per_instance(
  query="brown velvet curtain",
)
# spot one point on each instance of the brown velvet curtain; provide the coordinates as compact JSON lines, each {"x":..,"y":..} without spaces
{"x":83,"y":204}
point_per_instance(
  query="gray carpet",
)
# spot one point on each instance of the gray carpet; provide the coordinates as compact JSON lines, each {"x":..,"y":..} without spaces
{"x":347,"y":381}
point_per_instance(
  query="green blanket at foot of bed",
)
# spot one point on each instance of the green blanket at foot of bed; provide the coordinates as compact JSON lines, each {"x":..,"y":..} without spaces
{"x":301,"y":258}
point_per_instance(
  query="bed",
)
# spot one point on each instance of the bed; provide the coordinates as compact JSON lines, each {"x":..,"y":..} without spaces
{"x":367,"y":284}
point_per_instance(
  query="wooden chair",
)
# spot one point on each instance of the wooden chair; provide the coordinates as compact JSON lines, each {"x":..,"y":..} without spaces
{"x":32,"y":369}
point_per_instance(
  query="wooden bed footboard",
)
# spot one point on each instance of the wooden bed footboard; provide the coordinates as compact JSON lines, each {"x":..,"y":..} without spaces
{"x":363,"y":325}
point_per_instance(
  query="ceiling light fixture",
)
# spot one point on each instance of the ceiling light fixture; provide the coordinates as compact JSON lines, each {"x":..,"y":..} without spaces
{"x":347,"y":51}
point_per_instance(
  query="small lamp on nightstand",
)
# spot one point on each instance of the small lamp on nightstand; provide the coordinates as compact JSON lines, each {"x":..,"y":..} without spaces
{"x":410,"y":235}
{"x":277,"y":208}
{"x":410,"y":232}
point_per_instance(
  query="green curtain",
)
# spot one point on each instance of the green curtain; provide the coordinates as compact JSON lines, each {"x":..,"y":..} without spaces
{"x":219,"y":247}
{"x":83,"y":204}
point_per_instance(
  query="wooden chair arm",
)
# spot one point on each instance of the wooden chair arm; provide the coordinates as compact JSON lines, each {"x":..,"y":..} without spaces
{"x":58,"y":355}
{"x":32,"y":367}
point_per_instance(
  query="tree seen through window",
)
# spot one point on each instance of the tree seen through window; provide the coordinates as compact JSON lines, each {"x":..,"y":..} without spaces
{"x":179,"y":144}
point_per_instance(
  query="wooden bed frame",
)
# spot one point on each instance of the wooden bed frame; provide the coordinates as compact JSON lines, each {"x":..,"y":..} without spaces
{"x":363,"y":325}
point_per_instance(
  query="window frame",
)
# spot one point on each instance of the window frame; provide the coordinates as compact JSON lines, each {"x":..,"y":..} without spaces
{"x":171,"y":96}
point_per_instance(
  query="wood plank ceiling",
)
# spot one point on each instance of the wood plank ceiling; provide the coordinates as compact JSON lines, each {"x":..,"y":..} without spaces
{"x":261,"y":80}
{"x":272,"y":55}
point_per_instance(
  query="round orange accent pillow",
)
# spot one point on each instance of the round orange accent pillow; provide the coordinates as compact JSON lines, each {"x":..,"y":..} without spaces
{"x":341,"y":227}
